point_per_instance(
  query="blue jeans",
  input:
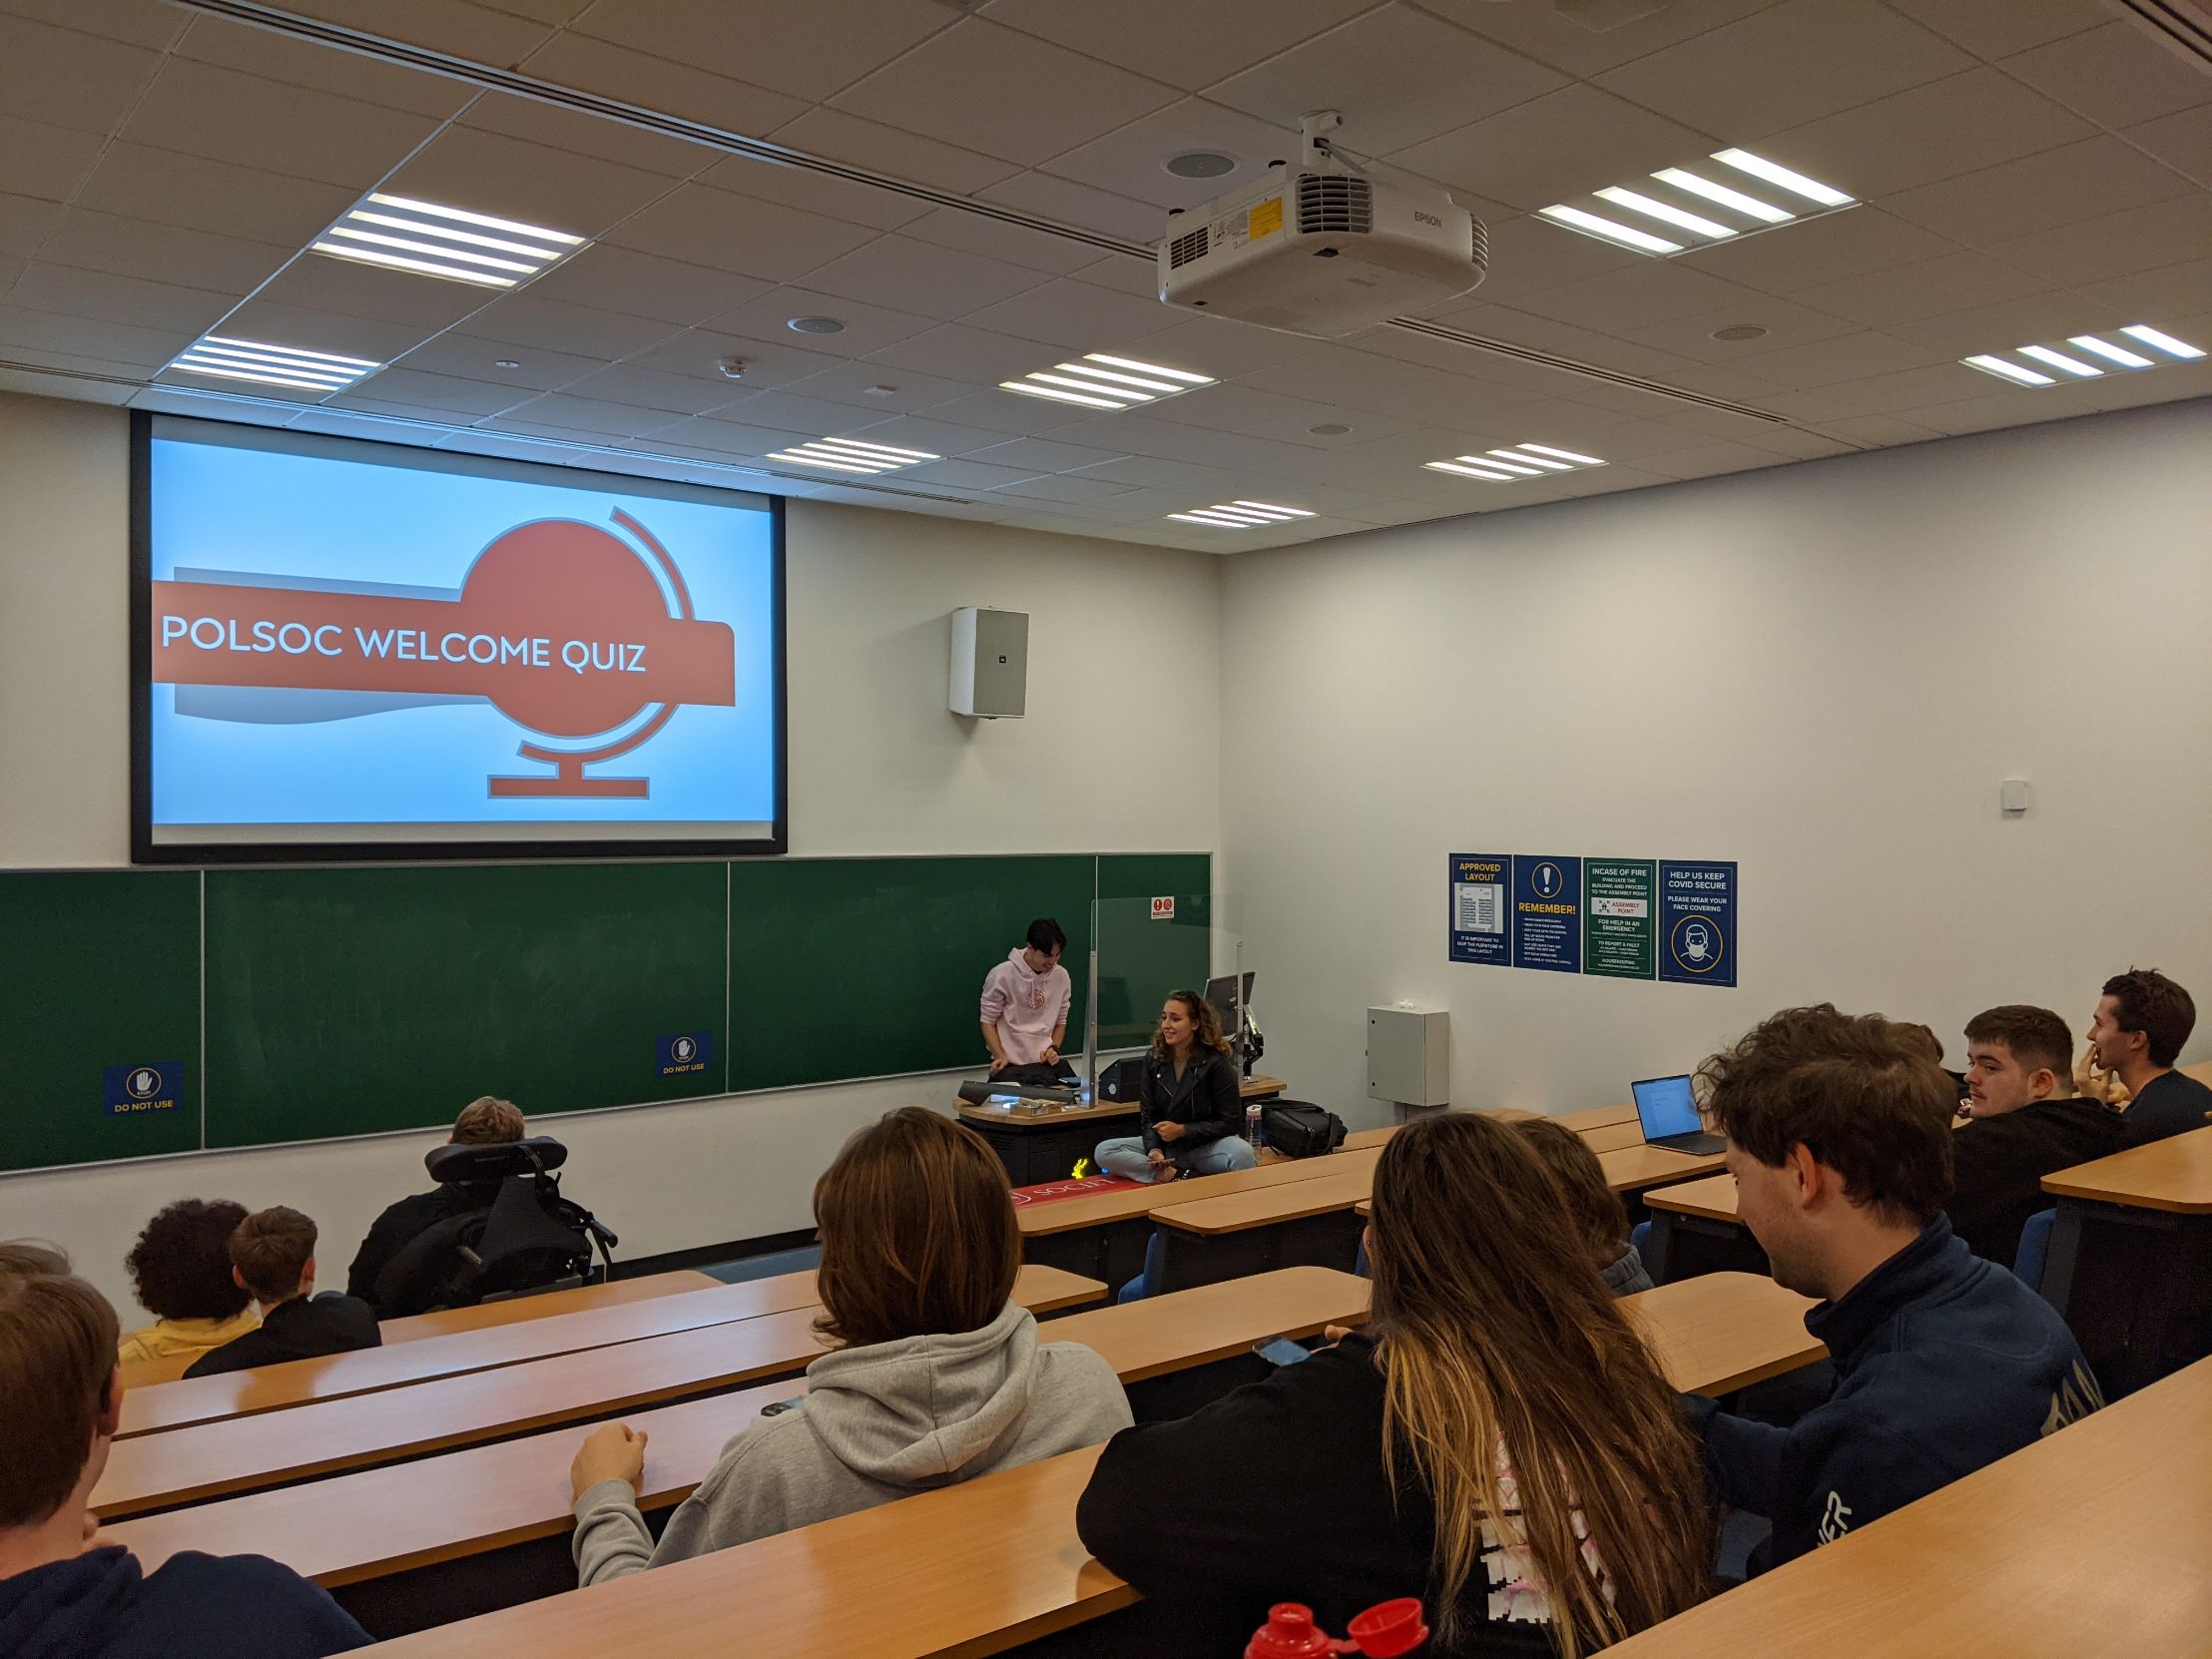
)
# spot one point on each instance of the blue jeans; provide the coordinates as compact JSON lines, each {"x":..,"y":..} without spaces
{"x":1126,"y":1157}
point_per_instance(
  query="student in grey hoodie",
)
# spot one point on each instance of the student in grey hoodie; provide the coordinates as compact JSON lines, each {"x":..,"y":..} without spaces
{"x":936,"y":1376}
{"x":1595,"y":1207}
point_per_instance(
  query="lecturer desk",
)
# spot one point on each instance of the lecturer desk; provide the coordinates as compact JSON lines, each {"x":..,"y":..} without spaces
{"x":275,"y":1388}
{"x":884,"y":1585}
{"x":210,"y":1460}
{"x":2130,"y":1262}
{"x":409,"y":1528}
{"x":2089,"y":1544}
{"x":1695,"y":1229}
{"x":1038,"y":1141}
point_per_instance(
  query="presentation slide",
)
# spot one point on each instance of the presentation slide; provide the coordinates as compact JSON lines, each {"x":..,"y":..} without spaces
{"x":356,"y":647}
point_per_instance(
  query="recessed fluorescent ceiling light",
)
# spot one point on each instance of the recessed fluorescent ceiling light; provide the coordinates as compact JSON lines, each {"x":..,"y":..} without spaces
{"x":1242,"y":516}
{"x":2075,"y":365}
{"x":1699,"y":205}
{"x":852,"y":455}
{"x":1522,"y":460}
{"x":225,"y":357}
{"x":403,"y":234}
{"x":1103,"y":383}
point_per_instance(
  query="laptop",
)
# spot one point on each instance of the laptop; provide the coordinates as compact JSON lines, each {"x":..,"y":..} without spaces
{"x":1668,"y":1111}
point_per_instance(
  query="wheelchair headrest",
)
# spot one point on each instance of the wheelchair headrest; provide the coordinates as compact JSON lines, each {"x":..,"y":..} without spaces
{"x":475,"y":1165}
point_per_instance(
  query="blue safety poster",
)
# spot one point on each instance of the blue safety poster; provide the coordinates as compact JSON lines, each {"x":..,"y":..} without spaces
{"x":684,"y":1055}
{"x":1547,"y":913}
{"x":1697,"y":922}
{"x":1481,"y":908}
{"x":129,"y":1091}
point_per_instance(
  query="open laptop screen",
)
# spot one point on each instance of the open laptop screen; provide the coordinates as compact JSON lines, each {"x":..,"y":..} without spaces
{"x":1665,"y":1106}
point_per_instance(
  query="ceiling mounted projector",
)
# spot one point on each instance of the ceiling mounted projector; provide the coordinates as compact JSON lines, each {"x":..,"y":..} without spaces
{"x":1319,"y":248}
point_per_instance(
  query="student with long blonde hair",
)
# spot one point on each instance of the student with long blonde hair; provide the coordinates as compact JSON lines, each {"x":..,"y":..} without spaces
{"x":1498,"y":1442}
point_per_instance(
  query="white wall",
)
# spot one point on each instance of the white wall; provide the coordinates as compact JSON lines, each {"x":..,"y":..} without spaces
{"x":1820,"y":669}
{"x":1124,"y":641}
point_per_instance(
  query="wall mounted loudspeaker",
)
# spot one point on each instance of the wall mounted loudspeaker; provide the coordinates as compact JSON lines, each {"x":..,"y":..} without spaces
{"x":990,"y":663}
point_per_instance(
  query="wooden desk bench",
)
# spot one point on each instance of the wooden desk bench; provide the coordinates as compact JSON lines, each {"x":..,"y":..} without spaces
{"x":304,"y":1381}
{"x":210,"y":1460}
{"x":884,"y":1585}
{"x":1695,"y":1230}
{"x":438,"y":1512}
{"x":2089,"y":1544}
{"x":2130,"y":1262}
{"x":619,"y":1293}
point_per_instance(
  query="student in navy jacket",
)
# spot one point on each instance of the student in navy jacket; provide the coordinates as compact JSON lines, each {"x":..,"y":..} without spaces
{"x":1840,"y":1141}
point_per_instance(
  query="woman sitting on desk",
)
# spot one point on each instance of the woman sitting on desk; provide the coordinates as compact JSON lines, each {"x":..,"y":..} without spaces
{"x":1190,"y":1106}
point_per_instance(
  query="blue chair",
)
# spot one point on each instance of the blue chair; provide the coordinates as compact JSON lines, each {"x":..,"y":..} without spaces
{"x":1640,"y":1236}
{"x":1146,"y":1282}
{"x":2035,"y":1252}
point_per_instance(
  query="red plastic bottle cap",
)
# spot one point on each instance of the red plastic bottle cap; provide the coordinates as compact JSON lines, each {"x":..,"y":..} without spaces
{"x":1387,"y":1631}
{"x":1289,"y":1634}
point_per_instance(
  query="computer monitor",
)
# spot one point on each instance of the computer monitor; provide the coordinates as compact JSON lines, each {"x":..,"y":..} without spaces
{"x":1665,"y":1106}
{"x":1231,"y":995}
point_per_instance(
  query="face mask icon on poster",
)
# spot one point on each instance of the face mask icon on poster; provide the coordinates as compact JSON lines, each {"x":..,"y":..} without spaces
{"x":1697,"y":942}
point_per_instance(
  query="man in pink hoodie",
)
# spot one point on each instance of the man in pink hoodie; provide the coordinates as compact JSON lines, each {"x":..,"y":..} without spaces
{"x":1025,"y":1001}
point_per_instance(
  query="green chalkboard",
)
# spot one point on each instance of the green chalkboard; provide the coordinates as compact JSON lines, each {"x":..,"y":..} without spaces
{"x":96,"y":970}
{"x":346,"y":1001}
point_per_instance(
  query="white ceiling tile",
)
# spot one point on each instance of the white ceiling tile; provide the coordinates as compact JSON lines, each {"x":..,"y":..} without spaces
{"x":589,"y":414}
{"x":40,"y":159}
{"x":1924,"y":288}
{"x":883,"y":391}
{"x":1224,"y":350}
{"x":68,"y":388}
{"x":224,"y":115}
{"x":2058,"y":187}
{"x":536,"y":122}
{"x":316,"y":330}
{"x":166,"y":187}
{"x":622,"y":279}
{"x":446,"y":395}
{"x":649,"y":388}
{"x":938,"y":437}
{"x":105,"y":242}
{"x":536,"y":367}
{"x":1400,"y":76}
{"x":960,"y":352}
{"x":2152,"y":295}
{"x":1063,"y":489}
{"x":1786,"y":322}
{"x":117,"y":298}
{"x":714,"y":437}
{"x":1006,"y":415}
{"x":1619,"y":302}
{"x":125,"y":20}
{"x":480,"y":34}
{"x":1932,"y":384}
{"x":686,"y":91}
{"x":1068,"y":316}
{"x":490,"y":173}
{"x":354,"y":75}
{"x":1361,"y":381}
{"x":1035,"y":455}
{"x":963,"y":475}
{"x":1880,"y":431}
{"x":24,"y":224}
{"x":1363,"y":428}
{"x":815,"y":417}
{"x":817,"y":193}
{"x":769,"y":363}
{"x":837,"y":136}
{"x":67,"y":79}
{"x":1240,"y":408}
{"x":117,"y":342}
{"x":1170,"y":40}
{"x":1144,"y":470}
{"x":993,"y":89}
{"x":2032,"y":319}
{"x":923,"y":277}
{"x":1793,"y":258}
{"x":867,"y":328}
{"x":1845,"y":357}
{"x":326,"y":285}
{"x":1710,"y":460}
{"x":1533,"y":256}
{"x":702,"y":226}
{"x":1551,"y":35}
{"x":1131,"y":161}
{"x":994,"y":239}
{"x":191,"y":401}
{"x":2182,"y":141}
{"x":807,"y":51}
{"x":529,"y":318}
{"x":2117,"y":75}
{"x":2000,"y":409}
{"x":1124,"y":274}
{"x":1784,"y":66}
{"x":2149,"y":238}
{"x":1998,"y":28}
{"x":383,"y":425}
{"x":1086,"y":209}
{"x":1552,"y":147}
{"x":1929,"y":132}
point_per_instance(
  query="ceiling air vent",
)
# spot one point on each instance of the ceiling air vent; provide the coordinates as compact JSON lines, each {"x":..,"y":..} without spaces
{"x":1188,"y":246}
{"x":1331,"y":204}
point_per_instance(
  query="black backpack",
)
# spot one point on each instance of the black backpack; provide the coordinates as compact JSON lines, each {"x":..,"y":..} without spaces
{"x":1299,"y":1129}
{"x":1123,"y":1080}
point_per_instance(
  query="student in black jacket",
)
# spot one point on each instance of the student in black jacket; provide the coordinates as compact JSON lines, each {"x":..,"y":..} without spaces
{"x":62,"y":1593}
{"x":1499,"y":1426}
{"x":2024,"y":1122}
{"x":273,"y":1257}
{"x":1839,"y":1132}
{"x":1189,"y":1105}
{"x":2141,"y":1021}
{"x":485,"y":1121}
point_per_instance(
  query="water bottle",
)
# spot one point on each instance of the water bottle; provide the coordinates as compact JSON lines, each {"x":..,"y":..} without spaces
{"x":1385,"y":1632}
{"x":1255,"y":1136}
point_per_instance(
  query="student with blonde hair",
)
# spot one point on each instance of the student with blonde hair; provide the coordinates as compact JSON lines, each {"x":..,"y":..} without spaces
{"x":1499,"y":1442}
{"x":936,"y":1374}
